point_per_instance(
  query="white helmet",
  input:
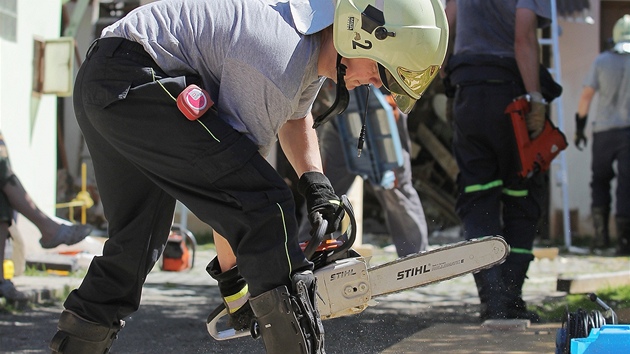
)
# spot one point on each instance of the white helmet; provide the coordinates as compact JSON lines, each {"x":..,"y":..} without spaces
{"x":408,"y":39}
{"x":621,"y":31}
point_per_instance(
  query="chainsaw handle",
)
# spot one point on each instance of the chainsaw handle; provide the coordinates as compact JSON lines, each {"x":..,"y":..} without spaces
{"x":349,"y":235}
{"x":229,"y":333}
{"x":317,"y":237}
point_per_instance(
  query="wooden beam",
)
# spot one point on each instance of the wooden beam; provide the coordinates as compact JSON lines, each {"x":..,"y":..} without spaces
{"x":582,"y":284}
{"x":439,"y":152}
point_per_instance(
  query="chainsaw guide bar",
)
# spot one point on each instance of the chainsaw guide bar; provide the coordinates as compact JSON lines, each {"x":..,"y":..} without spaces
{"x":347,"y":286}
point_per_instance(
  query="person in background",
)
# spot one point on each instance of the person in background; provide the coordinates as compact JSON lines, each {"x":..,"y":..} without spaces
{"x":183,"y":100}
{"x":495,"y":60}
{"x":15,"y":199}
{"x":610,"y":77}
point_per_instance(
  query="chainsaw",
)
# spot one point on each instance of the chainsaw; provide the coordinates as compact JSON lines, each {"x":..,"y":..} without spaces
{"x":346,"y":285}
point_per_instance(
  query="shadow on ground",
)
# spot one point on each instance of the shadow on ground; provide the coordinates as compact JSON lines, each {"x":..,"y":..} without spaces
{"x":172,"y":320}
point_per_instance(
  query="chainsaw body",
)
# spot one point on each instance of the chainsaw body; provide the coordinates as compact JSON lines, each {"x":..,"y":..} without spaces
{"x":346,"y":284}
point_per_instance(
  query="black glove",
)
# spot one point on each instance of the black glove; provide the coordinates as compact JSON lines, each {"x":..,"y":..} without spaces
{"x":321,"y":198}
{"x":580,"y":124}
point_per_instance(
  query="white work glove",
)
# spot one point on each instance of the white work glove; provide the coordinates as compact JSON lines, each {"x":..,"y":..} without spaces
{"x":535,"y":119}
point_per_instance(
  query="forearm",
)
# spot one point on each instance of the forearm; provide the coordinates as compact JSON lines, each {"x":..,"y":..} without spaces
{"x":526,"y":49}
{"x":299,"y":143}
{"x":585,"y":101}
{"x":450,"y":10}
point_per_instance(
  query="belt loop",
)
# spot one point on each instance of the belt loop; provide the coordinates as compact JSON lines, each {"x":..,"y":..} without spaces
{"x":92,"y":49}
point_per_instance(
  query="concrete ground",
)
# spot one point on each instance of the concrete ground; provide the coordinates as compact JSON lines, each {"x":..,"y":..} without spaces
{"x":440,"y":317}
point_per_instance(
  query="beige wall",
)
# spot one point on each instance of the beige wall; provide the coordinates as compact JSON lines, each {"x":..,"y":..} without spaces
{"x":31,"y":138}
{"x":579,"y":45}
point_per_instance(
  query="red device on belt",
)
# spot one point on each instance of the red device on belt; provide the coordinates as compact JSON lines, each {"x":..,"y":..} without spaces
{"x":193,"y":102}
{"x":536,"y":155}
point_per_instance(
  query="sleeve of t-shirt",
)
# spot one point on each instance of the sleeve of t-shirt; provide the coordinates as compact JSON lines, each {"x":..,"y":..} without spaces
{"x":307,"y":98}
{"x":542,"y":8}
{"x":591,"y":77}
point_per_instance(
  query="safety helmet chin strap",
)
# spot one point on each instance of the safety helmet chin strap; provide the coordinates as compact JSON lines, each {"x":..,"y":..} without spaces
{"x":342,"y":97}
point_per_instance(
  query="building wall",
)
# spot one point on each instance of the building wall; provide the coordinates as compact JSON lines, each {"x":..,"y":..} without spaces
{"x":579,"y":45}
{"x":31,"y":138}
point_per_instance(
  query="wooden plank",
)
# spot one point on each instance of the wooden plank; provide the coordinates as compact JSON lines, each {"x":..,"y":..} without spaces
{"x":506,"y":325}
{"x":546,"y":252}
{"x":52,"y":262}
{"x":441,"y":154}
{"x":582,"y":284}
{"x":453,"y":338}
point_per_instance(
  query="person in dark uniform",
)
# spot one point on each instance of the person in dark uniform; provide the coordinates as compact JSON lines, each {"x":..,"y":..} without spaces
{"x":404,"y":214}
{"x":259,"y":64}
{"x":494,"y":61}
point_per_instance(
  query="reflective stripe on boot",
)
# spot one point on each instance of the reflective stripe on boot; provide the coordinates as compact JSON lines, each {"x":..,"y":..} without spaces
{"x":235,"y":294}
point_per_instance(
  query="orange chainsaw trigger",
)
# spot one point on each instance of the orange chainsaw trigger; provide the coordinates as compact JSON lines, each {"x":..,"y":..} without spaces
{"x":324,"y":246}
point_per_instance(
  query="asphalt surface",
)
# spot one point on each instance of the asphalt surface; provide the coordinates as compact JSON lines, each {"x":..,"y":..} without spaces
{"x":440,"y":317}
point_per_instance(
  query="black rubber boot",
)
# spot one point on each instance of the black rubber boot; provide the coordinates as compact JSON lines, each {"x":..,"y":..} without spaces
{"x":623,"y":236}
{"x":514,"y":271}
{"x":601,"y":239}
{"x":491,"y":294}
{"x":289,"y":322}
{"x":235,"y":294}
{"x":76,"y":335}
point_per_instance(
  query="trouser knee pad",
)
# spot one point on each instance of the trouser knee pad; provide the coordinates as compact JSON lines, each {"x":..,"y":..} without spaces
{"x":289,"y":321}
{"x":76,"y":335}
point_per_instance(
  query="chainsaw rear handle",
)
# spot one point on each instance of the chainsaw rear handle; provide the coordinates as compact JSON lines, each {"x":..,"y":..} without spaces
{"x":229,"y":333}
{"x":317,"y":237}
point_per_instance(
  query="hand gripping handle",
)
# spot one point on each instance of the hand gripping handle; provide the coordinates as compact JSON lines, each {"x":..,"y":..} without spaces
{"x":347,"y":239}
{"x":317,"y":237}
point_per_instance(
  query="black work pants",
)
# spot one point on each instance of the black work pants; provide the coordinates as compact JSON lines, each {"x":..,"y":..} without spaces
{"x":147,"y":155}
{"x":492,"y":198}
{"x":611,"y":146}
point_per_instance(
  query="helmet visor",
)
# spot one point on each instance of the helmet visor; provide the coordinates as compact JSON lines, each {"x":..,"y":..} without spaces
{"x":408,"y":85}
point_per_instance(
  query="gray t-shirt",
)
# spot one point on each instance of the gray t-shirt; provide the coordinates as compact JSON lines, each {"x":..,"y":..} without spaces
{"x":487,"y":26}
{"x":258,"y":69}
{"x":610,"y":77}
